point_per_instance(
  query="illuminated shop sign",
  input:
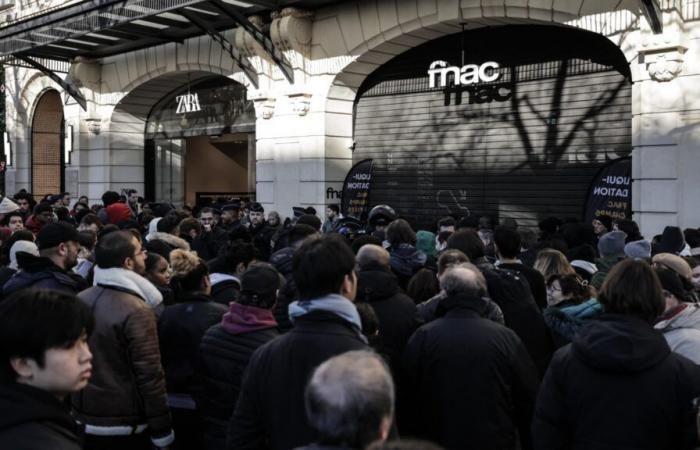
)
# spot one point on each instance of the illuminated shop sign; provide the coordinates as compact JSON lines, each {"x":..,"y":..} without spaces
{"x":187,"y":103}
{"x":439,"y":72}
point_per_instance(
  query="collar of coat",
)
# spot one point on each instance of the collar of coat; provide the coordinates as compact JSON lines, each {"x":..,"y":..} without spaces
{"x":169,"y":239}
{"x":123,"y":279}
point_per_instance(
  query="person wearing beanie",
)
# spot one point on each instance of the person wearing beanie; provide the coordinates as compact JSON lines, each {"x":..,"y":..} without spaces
{"x":611,"y":247}
{"x":7,"y":206}
{"x":640,"y":249}
{"x":681,"y":267}
{"x":180,"y":331}
{"x":680,"y":322}
{"x":6,"y":272}
{"x":672,"y":241}
{"x":602,"y":224}
{"x":58,"y":254}
{"x":227,"y":347}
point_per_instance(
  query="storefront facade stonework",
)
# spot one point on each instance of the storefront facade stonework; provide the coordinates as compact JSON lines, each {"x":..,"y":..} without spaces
{"x":304,"y":132}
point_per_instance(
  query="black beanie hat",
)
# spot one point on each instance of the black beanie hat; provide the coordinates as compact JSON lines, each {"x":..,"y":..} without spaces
{"x":54,"y":234}
{"x":671,"y":282}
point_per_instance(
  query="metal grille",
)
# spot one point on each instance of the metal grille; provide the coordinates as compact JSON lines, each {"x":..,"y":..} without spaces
{"x":46,"y":145}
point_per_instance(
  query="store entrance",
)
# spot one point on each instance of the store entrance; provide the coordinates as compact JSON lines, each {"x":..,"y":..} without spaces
{"x":200,"y":142}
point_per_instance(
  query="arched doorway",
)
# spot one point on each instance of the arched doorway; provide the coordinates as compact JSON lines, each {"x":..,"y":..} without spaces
{"x":523,"y":142}
{"x":47,"y":157}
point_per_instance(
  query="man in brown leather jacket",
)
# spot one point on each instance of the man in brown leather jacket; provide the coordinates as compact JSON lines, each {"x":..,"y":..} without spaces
{"x":125,"y":402}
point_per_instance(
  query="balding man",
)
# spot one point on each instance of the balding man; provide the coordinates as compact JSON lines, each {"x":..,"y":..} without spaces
{"x":350,"y":401}
{"x":471,"y":380}
{"x":378,"y":286}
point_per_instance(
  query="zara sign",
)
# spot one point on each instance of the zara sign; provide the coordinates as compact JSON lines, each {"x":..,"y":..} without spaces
{"x":469,"y":74}
{"x":187,"y":103}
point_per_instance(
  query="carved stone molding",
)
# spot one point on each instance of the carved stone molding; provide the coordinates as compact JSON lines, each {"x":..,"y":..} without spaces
{"x":664,"y":64}
{"x":264,"y":106}
{"x":301,"y":102}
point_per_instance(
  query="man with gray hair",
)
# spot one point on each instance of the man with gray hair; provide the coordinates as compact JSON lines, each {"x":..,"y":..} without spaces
{"x":350,"y":401}
{"x":472,"y":382}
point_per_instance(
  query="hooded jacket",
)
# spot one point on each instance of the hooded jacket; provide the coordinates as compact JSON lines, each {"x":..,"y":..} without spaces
{"x":41,"y":272}
{"x":32,"y":419}
{"x":405,"y":260}
{"x":566,"y":319}
{"x":681,"y":329}
{"x":617,"y":387}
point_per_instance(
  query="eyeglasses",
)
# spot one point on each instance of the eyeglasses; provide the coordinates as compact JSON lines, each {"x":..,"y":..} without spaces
{"x":143,"y":251}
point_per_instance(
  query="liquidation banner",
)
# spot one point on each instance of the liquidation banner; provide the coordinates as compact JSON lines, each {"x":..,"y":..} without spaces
{"x":356,"y":188}
{"x":611,"y":191}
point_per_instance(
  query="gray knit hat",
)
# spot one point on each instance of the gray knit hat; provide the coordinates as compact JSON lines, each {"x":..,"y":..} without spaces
{"x":612,"y":244}
{"x":638,"y":249}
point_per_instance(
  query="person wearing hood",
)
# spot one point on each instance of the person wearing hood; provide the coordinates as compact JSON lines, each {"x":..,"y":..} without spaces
{"x":611,"y":247}
{"x":602,"y":224}
{"x":680,"y":322}
{"x":41,"y":368}
{"x":180,"y":331}
{"x":167,"y":235}
{"x":619,"y":385}
{"x":226,"y":269}
{"x":471,"y":382}
{"x":405,"y":258}
{"x":396,"y":312}
{"x":226,"y":349}
{"x":125,"y":404}
{"x":571,"y":304}
{"x":6,"y":272}
{"x":270,"y":409}
{"x":58,"y":254}
{"x":7,"y":206}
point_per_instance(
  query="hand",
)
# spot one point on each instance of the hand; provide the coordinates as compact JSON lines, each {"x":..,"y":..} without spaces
{"x":207,"y":227}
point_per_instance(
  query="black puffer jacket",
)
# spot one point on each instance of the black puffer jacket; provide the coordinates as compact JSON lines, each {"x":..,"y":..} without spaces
{"x":617,"y":387}
{"x":282,"y":260}
{"x":41,"y":272}
{"x":397,"y":314}
{"x":472,"y":380}
{"x":32,"y":419}
{"x":180,"y":331}
{"x":223,"y":359}
{"x":270,"y":410}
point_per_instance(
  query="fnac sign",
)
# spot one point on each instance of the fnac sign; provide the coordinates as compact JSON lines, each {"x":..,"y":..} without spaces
{"x":439,"y":72}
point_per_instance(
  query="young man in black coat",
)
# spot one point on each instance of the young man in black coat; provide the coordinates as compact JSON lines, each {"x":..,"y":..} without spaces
{"x":472,"y":380}
{"x":396,"y":312}
{"x":507,"y":245}
{"x":618,"y":385}
{"x":270,"y":408}
{"x":45,"y":357}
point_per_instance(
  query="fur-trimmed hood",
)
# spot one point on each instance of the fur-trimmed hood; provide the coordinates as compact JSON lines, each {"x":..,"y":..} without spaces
{"x":169,"y":239}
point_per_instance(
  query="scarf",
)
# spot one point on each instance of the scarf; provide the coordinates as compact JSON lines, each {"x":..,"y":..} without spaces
{"x":242,"y":319}
{"x":334,"y":304}
{"x":126,"y":279}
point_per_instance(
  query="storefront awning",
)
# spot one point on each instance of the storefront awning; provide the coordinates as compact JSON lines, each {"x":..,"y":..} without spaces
{"x":99,"y":28}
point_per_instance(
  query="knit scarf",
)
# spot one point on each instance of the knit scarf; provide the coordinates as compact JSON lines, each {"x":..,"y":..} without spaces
{"x":334,"y":304}
{"x":242,"y":319}
{"x":127,"y":279}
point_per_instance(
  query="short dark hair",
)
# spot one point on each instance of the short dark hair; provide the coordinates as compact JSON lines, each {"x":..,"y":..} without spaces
{"x":113,"y":248}
{"x":400,"y":232}
{"x":469,"y":242}
{"x":190,"y":224}
{"x":42,"y":208}
{"x":299,"y":232}
{"x":447,"y":222}
{"x":310,"y":220}
{"x":632,"y":288}
{"x":206,"y":210}
{"x":320,"y":266}
{"x":35,"y":320}
{"x":334,"y":207}
{"x":90,"y":219}
{"x":110,"y":197}
{"x":11,"y":214}
{"x":169,"y":223}
{"x":231,"y":255}
{"x":508,"y":241}
{"x":451,"y":257}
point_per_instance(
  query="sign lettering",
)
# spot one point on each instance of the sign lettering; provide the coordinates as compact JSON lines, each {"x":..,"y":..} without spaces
{"x":187,"y":103}
{"x":439,"y":74}
{"x":610,"y":192}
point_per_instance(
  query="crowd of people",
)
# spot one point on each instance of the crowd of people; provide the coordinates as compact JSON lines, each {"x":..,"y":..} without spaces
{"x":132,"y":324}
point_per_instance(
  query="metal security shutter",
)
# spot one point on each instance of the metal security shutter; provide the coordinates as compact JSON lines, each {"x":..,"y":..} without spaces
{"x":527,"y":157}
{"x":47,"y":146}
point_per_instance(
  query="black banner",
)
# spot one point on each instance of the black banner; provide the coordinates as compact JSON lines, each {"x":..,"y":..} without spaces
{"x":611,"y":192}
{"x":356,"y":187}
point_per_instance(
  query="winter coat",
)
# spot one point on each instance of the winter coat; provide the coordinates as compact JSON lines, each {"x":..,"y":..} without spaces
{"x":270,"y":410}
{"x":5,"y":274}
{"x":115,"y":213}
{"x":33,"y":225}
{"x":33,"y":419}
{"x":396,"y":312}
{"x":208,"y":243}
{"x":127,"y":385}
{"x":41,"y":272}
{"x":180,"y":331}
{"x":282,"y":260}
{"x":170,"y":240}
{"x":681,"y":329}
{"x":262,"y":240}
{"x":223,"y":357}
{"x":427,"y":310}
{"x":225,"y":288}
{"x":604,"y":266}
{"x":534,"y":278}
{"x":566,"y":319}
{"x":472,"y":381}
{"x":618,"y":386}
{"x":405,"y":260}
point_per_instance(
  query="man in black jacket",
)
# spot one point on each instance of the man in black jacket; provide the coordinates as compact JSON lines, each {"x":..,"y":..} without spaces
{"x":507,"y":246}
{"x":378,"y":286}
{"x":45,"y":357}
{"x":58,"y":254}
{"x":472,"y":380}
{"x":270,"y":408}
